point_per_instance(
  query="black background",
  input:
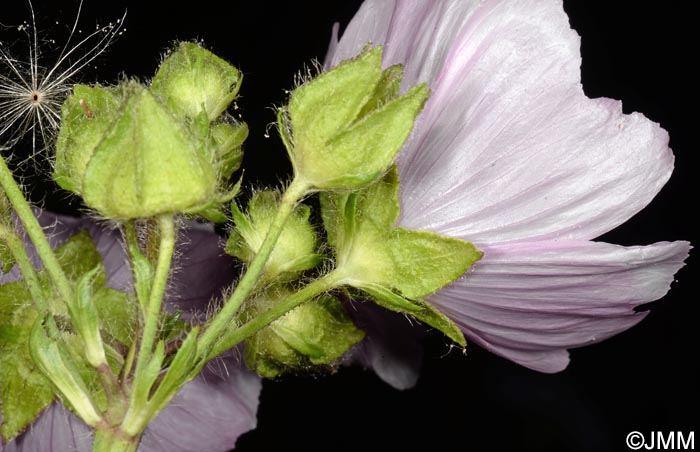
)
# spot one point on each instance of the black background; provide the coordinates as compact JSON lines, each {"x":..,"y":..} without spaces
{"x":645,"y":379}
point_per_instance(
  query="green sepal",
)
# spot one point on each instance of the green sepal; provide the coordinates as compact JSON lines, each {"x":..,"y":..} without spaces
{"x":396,"y":266}
{"x":86,"y":116}
{"x":386,"y":90}
{"x":296,"y":248}
{"x":441,"y":260}
{"x":192,"y":79}
{"x":227,"y":142}
{"x":344,"y":128}
{"x":313,"y":334}
{"x":324,"y":106}
{"x":418,"y":309}
{"x":146,"y":164}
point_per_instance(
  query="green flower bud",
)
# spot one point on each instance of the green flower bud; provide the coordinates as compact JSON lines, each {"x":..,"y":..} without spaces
{"x":312,"y":335}
{"x":141,"y":164}
{"x":344,"y":128}
{"x":295,"y":249}
{"x":192,"y":79}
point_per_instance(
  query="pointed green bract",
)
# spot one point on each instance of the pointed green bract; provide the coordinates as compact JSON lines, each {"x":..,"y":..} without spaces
{"x":295,"y":250}
{"x":192,"y":79}
{"x":316,"y":333}
{"x":344,"y":128}
{"x":396,"y":266}
{"x":55,"y":364}
{"x":146,"y":165}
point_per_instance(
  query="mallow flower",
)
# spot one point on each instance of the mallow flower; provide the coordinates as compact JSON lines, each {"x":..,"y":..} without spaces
{"x":211,"y":411}
{"x":511,"y":155}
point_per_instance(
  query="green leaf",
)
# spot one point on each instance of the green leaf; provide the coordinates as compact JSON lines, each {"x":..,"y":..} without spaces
{"x":179,"y":372}
{"x":192,"y":79}
{"x":24,"y":391}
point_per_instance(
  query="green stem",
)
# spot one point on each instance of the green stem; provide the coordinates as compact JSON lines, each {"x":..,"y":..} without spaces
{"x":110,"y":440}
{"x":35,"y":232}
{"x":16,"y":247}
{"x":309,"y":292}
{"x":296,"y":190}
{"x":160,"y":279}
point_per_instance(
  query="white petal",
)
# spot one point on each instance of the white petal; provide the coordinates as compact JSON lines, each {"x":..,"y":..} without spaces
{"x":508,"y":146}
{"x":531,"y":301}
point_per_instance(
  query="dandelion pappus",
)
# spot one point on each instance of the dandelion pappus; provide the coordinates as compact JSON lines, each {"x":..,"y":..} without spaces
{"x":31,"y":92}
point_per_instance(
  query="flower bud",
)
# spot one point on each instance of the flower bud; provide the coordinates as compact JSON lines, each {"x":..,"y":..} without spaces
{"x":146,"y":164}
{"x":295,"y":249}
{"x":314,"y":334}
{"x":344,"y":128}
{"x":192,"y":79}
{"x":136,"y":152}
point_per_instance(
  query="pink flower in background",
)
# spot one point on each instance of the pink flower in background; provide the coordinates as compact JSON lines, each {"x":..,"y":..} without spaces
{"x":511,"y":155}
{"x":211,"y":411}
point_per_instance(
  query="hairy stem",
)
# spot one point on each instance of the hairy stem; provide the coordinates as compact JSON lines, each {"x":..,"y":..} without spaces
{"x":221,"y":321}
{"x":16,"y":247}
{"x":35,"y":232}
{"x":309,"y":292}
{"x":166,"y":225}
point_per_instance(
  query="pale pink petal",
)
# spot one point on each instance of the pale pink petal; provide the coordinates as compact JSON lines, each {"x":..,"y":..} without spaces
{"x":210,"y":412}
{"x":208,"y":415}
{"x":508,"y":147}
{"x":56,"y":429}
{"x":392,"y":345}
{"x":531,"y":301}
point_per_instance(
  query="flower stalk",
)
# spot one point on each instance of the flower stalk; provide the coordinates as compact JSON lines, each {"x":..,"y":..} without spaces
{"x":35,"y":232}
{"x":296,"y":190}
